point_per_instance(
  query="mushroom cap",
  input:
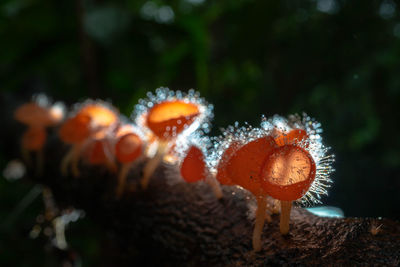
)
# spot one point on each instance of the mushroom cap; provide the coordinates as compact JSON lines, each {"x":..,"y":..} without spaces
{"x":101,"y":115}
{"x":34,"y":138}
{"x":102,"y":118}
{"x":244,"y":166}
{"x":288,"y":172}
{"x":124,"y":129}
{"x":292,"y":137}
{"x":76,"y":129}
{"x":193,"y":167}
{"x":169,"y":118}
{"x":222,"y":175}
{"x":128,"y":148}
{"x":33,"y":114}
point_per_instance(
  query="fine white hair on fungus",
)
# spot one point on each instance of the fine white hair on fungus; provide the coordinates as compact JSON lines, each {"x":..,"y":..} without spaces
{"x":240,"y":135}
{"x":77,"y":107}
{"x":43,"y":100}
{"x":312,"y":144}
{"x":128,"y":127}
{"x":165,"y":94}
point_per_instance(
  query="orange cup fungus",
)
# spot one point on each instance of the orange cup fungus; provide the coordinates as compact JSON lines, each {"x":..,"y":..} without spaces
{"x":193,"y":169}
{"x":75,"y":130}
{"x":222,"y":174}
{"x":103,"y":118}
{"x":168,"y":119}
{"x":243,"y":168}
{"x":37,"y":116}
{"x":287,"y":175}
{"x":32,"y":114}
{"x":167,"y":115}
{"x":193,"y":166}
{"x":284,"y":159}
{"x":91,"y":122}
{"x":298,"y":169}
{"x":34,"y":138}
{"x":294,"y":136}
{"x":288,"y":172}
{"x":99,"y":152}
{"x":128,"y":149}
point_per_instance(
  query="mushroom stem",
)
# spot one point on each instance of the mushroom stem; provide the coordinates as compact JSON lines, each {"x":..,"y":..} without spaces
{"x":259,"y":223}
{"x":152,"y":163}
{"x":286,"y":207}
{"x":211,"y":181}
{"x":110,"y":159}
{"x":72,"y":157}
{"x":122,"y":179}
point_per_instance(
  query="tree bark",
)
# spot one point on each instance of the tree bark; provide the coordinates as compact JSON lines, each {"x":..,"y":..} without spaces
{"x":174,"y":223}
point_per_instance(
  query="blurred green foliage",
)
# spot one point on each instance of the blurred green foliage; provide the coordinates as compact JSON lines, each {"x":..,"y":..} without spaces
{"x":337,"y":60}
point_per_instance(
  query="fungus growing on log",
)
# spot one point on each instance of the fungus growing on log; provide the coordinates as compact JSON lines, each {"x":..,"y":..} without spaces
{"x":304,"y":132}
{"x":239,"y":157}
{"x":284,"y":159}
{"x":193,"y":168}
{"x":166,"y":116}
{"x":129,"y":148}
{"x":287,"y":175}
{"x":243,"y":169}
{"x":91,"y":121}
{"x":100,"y":152}
{"x":299,"y":168}
{"x":37,"y":115}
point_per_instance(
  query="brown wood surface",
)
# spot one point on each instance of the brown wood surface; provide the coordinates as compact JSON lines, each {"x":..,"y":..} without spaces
{"x":179,"y":224}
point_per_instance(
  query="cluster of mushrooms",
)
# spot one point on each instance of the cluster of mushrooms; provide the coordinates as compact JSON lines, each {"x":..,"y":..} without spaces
{"x":280,"y":162}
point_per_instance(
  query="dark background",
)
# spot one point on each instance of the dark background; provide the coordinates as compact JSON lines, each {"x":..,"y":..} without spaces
{"x":337,"y":60}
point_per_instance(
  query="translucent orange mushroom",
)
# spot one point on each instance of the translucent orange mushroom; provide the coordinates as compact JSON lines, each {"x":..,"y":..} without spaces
{"x":37,"y":118}
{"x":287,"y":174}
{"x":102,"y":117}
{"x":76,"y":129}
{"x":166,"y":120}
{"x":245,"y":164}
{"x":32,"y":114}
{"x":194,"y":169}
{"x":34,"y":138}
{"x":99,"y":152}
{"x":92,"y":122}
{"x":243,"y":168}
{"x":75,"y":132}
{"x":294,"y":136}
{"x":128,"y":149}
{"x":169,"y":118}
{"x":222,"y":175}
{"x":193,"y":166}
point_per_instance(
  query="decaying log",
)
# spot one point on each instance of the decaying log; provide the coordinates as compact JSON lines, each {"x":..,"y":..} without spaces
{"x":175,"y":224}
